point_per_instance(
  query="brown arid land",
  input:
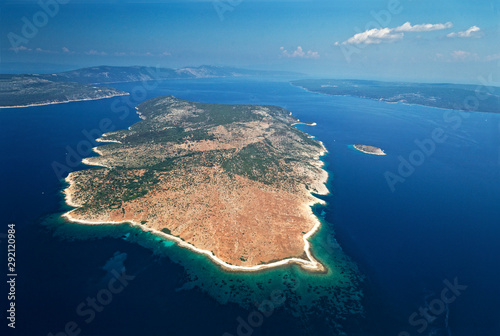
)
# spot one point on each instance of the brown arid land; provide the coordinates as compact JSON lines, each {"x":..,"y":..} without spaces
{"x":233,"y":182}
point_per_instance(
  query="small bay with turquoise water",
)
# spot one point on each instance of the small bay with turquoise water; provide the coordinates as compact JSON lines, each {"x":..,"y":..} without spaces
{"x":390,"y":251}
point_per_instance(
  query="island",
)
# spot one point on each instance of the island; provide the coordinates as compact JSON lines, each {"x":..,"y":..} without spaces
{"x":369,"y":149}
{"x":32,"y":90}
{"x":461,"y":97}
{"x":233,"y":182}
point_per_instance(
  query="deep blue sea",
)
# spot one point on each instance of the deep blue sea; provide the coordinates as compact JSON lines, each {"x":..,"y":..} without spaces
{"x":427,"y":249}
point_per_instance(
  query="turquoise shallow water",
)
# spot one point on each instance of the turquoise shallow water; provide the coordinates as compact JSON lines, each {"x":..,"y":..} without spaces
{"x":390,"y":251}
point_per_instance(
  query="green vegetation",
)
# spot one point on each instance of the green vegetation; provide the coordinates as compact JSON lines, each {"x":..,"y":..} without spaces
{"x":256,"y":161}
{"x":177,"y":137}
{"x":217,"y":114}
{"x":120,"y":186}
{"x":449,"y":96}
{"x":24,"y":90}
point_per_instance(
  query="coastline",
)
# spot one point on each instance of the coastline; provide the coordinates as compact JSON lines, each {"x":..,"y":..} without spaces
{"x":66,"y":101}
{"x":311,"y":264}
{"x":390,"y":102}
{"x":304,"y":123}
{"x":88,"y":163}
{"x":104,"y":140}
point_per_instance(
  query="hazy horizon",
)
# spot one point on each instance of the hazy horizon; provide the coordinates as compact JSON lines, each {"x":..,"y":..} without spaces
{"x":449,"y":41}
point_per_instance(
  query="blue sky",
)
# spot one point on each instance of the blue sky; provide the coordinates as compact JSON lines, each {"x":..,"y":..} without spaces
{"x":453,"y":41}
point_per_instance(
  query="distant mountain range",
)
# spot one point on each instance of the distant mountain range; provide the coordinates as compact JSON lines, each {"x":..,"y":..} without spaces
{"x":76,"y":85}
{"x":114,"y":74}
{"x":80,"y":84}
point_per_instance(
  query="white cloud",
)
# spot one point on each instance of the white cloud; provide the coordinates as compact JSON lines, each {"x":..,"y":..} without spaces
{"x":40,"y":50}
{"x":142,"y":54}
{"x":473,"y":31}
{"x":493,"y":57}
{"x":95,"y":52}
{"x":20,"y":48}
{"x":426,"y":27}
{"x":460,"y":55}
{"x":380,"y":35}
{"x":67,"y":51}
{"x":64,"y":50}
{"x":374,"y":36}
{"x":299,"y":52}
{"x":147,"y":54}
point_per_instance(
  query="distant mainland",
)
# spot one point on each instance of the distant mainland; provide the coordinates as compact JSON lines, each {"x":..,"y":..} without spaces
{"x":472,"y":98}
{"x":31,"y":90}
{"x":26,"y":90}
{"x":87,"y":84}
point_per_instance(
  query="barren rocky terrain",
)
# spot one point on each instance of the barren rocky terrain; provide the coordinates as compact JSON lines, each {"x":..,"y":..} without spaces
{"x":235,"y":180}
